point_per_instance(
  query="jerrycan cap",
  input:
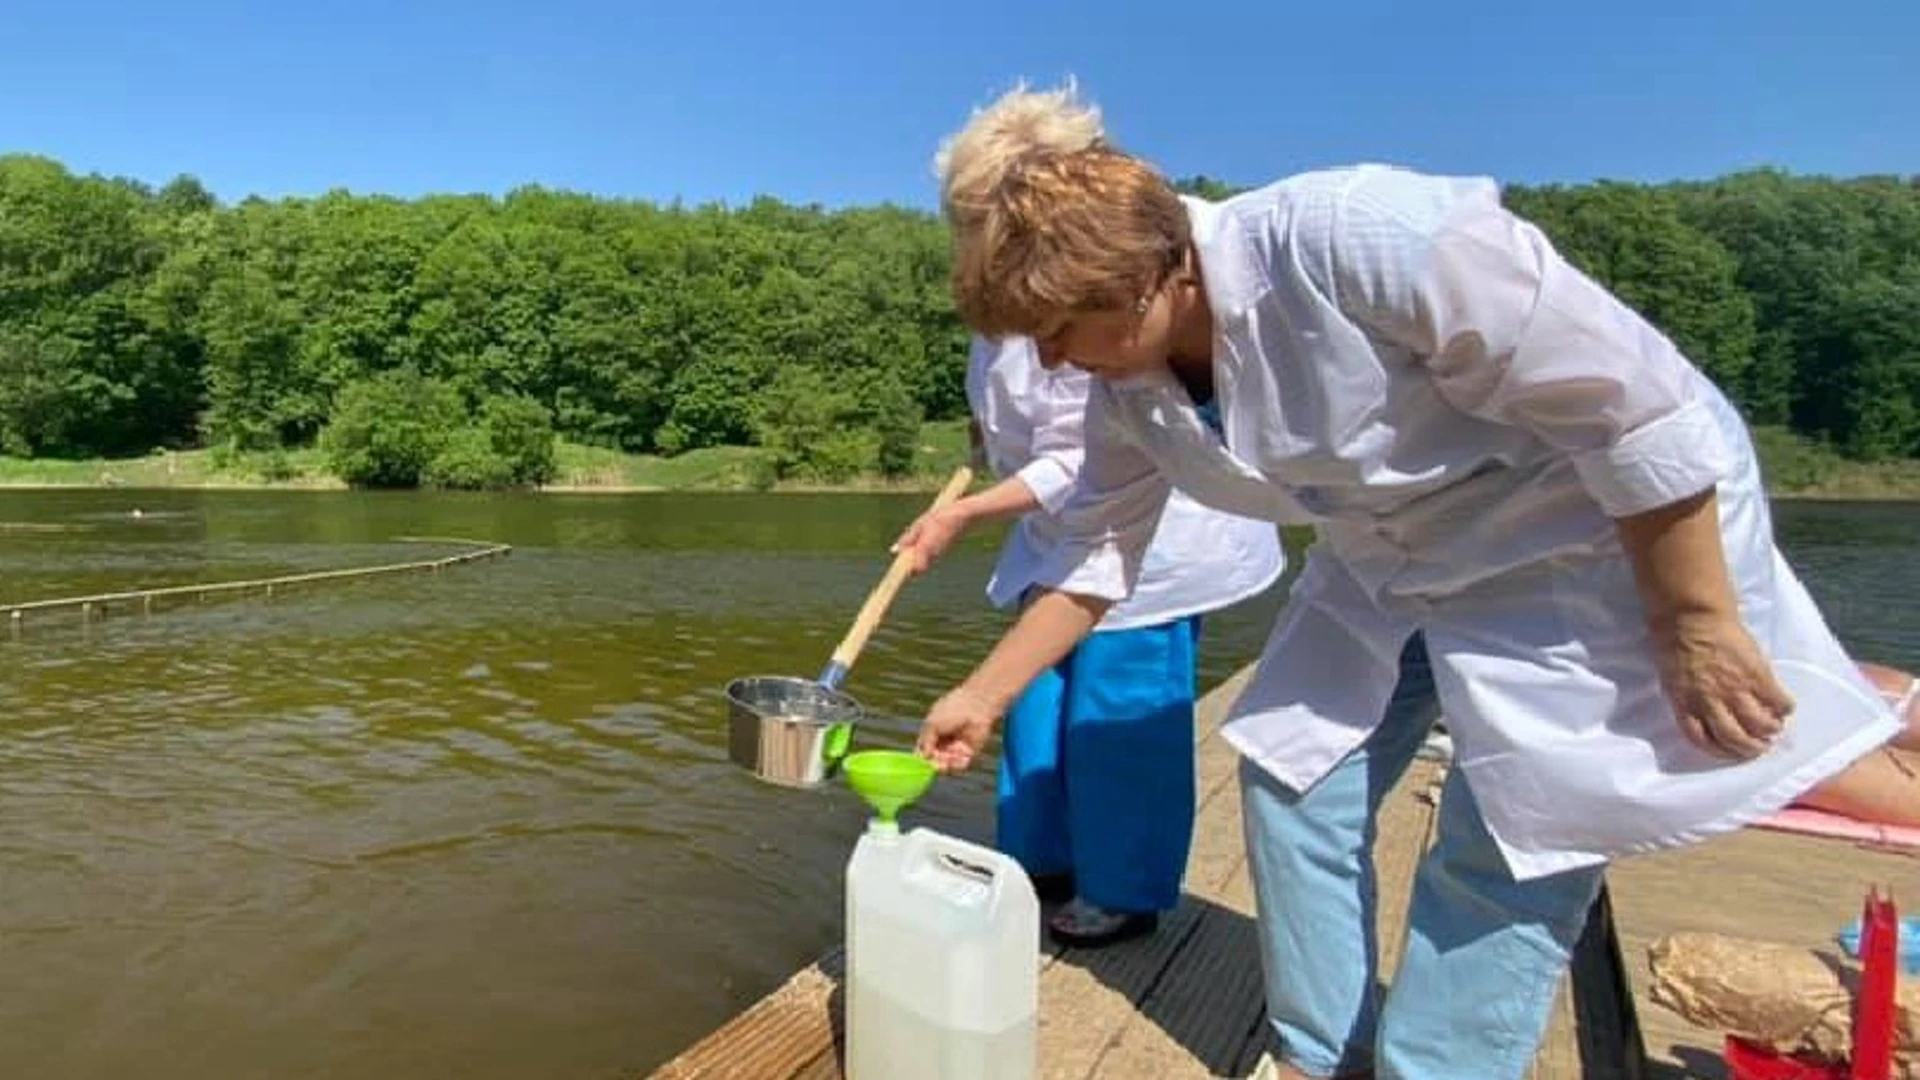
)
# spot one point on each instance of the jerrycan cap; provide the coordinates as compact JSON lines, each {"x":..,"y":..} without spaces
{"x":888,"y":780}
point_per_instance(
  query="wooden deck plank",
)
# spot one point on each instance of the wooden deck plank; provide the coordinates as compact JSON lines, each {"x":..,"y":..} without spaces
{"x":1240,"y":897}
{"x":1216,"y":762}
{"x":1403,"y":833}
{"x":1772,"y":886}
{"x":795,"y":1030}
{"x":824,"y":1067}
{"x":775,"y":1037}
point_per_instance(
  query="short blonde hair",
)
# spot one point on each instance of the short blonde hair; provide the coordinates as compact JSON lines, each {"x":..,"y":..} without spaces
{"x":1048,"y":217}
{"x":972,"y":159}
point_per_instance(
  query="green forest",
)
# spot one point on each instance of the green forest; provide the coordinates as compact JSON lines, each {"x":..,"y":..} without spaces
{"x":469,"y":341}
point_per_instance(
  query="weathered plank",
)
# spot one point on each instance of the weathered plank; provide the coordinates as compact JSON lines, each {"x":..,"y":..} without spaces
{"x":1087,"y":997}
{"x":1403,"y":833}
{"x":776,"y":1037}
{"x":1240,"y":897}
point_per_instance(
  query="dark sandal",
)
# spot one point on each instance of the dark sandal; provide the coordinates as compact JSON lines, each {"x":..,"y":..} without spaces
{"x":1087,"y":926}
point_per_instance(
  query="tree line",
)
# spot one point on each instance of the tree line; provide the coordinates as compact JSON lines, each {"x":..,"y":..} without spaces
{"x":449,"y":339}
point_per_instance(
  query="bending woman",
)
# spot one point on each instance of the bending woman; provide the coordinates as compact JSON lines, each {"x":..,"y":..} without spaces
{"x":1096,"y":785}
{"x":1519,"y":486}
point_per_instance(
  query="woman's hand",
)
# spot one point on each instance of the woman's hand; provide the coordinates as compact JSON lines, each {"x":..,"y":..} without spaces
{"x":957,"y":726}
{"x":931,"y":534}
{"x":956,"y":729}
{"x":1722,"y":689}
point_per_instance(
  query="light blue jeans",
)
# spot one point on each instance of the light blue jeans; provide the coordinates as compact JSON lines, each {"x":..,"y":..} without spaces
{"x":1484,"y":953}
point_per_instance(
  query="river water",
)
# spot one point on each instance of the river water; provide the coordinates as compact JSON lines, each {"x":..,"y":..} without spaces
{"x":481,"y":823}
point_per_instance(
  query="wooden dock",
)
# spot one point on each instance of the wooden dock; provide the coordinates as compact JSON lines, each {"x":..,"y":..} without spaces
{"x":1187,"y":1001}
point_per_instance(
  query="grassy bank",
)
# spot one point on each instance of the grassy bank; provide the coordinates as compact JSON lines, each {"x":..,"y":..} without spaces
{"x":1795,"y":468}
{"x":943,"y":446}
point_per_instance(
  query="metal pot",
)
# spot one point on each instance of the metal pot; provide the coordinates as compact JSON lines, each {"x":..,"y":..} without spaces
{"x":788,"y":731}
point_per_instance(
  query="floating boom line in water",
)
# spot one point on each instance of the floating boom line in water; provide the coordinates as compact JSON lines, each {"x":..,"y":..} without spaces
{"x":16,"y":614}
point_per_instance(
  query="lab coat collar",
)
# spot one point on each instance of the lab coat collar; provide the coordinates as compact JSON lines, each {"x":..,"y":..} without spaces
{"x":1234,"y":275}
{"x":1235,"y":280}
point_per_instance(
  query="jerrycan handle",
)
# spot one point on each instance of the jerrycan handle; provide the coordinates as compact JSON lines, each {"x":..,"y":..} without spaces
{"x":952,"y":858}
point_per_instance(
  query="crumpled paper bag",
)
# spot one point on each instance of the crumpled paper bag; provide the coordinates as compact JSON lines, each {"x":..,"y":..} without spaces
{"x":1789,"y":999}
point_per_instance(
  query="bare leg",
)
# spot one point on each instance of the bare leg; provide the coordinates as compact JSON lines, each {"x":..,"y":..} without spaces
{"x":1899,"y":688}
{"x":1884,"y":786}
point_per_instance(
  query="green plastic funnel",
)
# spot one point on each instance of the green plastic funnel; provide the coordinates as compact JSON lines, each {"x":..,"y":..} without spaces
{"x":887,"y":779}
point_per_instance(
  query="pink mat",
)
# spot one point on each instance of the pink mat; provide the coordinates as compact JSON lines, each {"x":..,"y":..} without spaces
{"x":1801,"y":819}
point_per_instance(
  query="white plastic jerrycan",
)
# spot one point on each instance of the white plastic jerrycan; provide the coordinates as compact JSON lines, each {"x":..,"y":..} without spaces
{"x":943,"y":960}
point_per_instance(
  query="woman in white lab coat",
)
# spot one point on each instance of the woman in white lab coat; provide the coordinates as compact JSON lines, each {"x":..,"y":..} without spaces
{"x":1524,"y":495}
{"x":1096,"y":780}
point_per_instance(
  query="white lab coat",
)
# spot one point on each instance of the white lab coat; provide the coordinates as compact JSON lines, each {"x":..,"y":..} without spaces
{"x":1031,"y":422}
{"x":1461,"y":413}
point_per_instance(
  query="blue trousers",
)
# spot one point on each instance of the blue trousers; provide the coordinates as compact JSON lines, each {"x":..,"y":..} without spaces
{"x":1484,"y":953}
{"x":1097,"y":767}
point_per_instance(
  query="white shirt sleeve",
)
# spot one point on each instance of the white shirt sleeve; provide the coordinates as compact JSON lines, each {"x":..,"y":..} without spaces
{"x":1514,"y":333}
{"x":1109,"y":515}
{"x":1030,"y":420}
{"x":1000,"y":426}
{"x":1058,"y":446}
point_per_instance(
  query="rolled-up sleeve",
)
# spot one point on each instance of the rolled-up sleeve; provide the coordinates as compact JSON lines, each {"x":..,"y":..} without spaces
{"x":1109,"y":514}
{"x":1050,"y":480}
{"x":1058,"y":447}
{"x":1030,"y":419}
{"x":1514,"y":333}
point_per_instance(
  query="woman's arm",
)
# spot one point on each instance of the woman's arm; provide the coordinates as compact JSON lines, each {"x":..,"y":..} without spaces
{"x":959,"y":724}
{"x":1009,"y":498}
{"x":1725,"y":695}
{"x":1106,"y":525}
{"x":1678,"y":560}
{"x":1055,"y":452}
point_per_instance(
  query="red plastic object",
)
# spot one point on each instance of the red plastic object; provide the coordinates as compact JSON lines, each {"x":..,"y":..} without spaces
{"x":1873,"y":1016}
{"x":1872,"y":1057}
{"x":1748,"y":1061}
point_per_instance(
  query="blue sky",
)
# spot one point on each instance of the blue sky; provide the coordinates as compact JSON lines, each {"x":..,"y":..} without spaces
{"x":844,"y":102}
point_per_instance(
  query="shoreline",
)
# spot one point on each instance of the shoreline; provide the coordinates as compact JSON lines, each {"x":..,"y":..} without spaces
{"x":926,"y":485}
{"x":1798,"y":468}
{"x":876,"y":487}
